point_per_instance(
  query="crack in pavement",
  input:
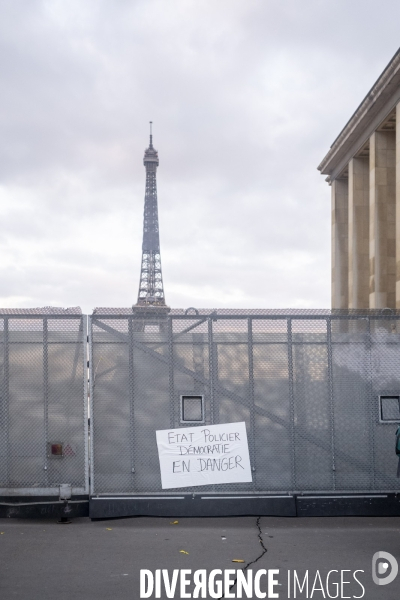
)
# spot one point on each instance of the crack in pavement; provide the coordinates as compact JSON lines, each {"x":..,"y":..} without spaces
{"x":264,"y":551}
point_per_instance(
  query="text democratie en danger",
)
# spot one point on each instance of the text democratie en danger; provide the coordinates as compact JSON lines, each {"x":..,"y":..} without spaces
{"x":202,"y":455}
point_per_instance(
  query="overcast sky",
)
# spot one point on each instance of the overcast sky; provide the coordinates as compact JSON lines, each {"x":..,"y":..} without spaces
{"x":246,"y":97}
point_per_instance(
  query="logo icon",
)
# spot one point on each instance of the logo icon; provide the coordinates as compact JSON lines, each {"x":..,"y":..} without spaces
{"x":380,"y":566}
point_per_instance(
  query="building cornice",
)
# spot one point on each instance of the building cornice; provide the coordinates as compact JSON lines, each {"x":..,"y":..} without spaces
{"x":377,"y":104}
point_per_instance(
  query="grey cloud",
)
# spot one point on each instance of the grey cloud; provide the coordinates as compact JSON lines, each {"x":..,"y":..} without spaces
{"x":246,"y":97}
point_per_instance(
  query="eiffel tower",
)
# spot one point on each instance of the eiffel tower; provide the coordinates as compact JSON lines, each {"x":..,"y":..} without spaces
{"x":151,"y":298}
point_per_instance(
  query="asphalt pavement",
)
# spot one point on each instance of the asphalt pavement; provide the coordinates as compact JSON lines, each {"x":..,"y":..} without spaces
{"x":101,"y":560}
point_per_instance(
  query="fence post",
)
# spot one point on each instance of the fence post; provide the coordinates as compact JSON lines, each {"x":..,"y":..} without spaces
{"x":251,"y":395}
{"x":91,"y":405}
{"x":331,"y":404}
{"x":131,"y":396}
{"x":85,"y":357}
{"x":45,"y":396}
{"x":7,"y":397}
{"x":291,"y":400}
{"x":171,"y":373}
{"x":371,"y":411}
{"x":211,"y":366}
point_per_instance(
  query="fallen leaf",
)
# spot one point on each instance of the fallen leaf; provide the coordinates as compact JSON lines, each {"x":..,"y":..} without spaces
{"x":108,"y":528}
{"x":237,"y":560}
{"x":173,"y":522}
{"x":1,"y":532}
{"x":184,"y":552}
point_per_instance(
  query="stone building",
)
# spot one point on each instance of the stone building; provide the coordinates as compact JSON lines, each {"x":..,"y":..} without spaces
{"x":363,"y":169}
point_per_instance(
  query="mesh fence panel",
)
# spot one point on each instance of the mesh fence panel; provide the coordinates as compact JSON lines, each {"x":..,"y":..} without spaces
{"x":311,"y":410}
{"x":273,"y":425}
{"x":43,"y":404}
{"x":307,"y":386}
{"x":352,"y":405}
{"x":385,"y":373}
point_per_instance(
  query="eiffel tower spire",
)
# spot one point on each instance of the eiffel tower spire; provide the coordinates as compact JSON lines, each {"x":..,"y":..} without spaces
{"x":151,"y":288}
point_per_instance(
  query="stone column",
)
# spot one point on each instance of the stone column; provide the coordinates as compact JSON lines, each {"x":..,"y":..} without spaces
{"x":340,"y":245}
{"x":398,"y":206}
{"x":382,"y":213}
{"x":359,"y":232}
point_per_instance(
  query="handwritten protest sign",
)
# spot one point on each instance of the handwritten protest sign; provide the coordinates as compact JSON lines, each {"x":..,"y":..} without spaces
{"x":203,"y":455}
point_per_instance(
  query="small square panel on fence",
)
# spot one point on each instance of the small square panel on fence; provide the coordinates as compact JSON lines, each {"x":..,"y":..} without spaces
{"x":192,"y":409}
{"x":55,"y":450}
{"x":389,"y":409}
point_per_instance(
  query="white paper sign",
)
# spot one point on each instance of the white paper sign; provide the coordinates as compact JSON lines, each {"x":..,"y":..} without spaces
{"x":203,"y":455}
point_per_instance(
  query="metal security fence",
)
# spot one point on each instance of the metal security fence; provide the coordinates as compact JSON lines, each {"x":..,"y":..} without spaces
{"x":309,"y":387}
{"x":43,"y":402}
